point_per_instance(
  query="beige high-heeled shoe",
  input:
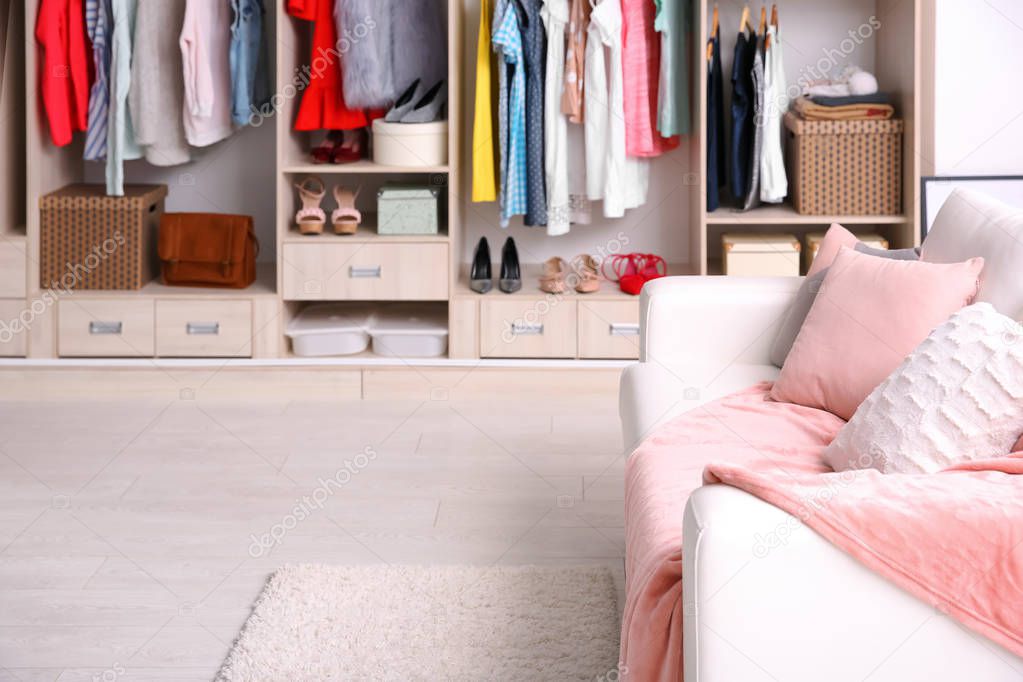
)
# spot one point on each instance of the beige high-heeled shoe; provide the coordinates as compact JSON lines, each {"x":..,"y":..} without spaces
{"x":587,"y":281}
{"x":553,"y":279}
{"x":346,"y":217}
{"x":310,"y":218}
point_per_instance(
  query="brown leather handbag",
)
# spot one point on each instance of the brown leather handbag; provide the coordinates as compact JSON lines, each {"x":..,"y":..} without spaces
{"x":208,"y":250}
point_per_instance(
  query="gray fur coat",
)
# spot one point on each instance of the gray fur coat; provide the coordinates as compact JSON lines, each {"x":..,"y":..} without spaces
{"x":386,"y":44}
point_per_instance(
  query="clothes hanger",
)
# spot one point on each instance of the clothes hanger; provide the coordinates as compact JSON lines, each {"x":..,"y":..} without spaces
{"x":763,"y":19}
{"x":714,"y":21}
{"x":774,"y":22}
{"x":744,"y":21}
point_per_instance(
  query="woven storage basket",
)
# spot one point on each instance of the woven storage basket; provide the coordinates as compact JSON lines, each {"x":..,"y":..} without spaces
{"x":93,"y":241}
{"x":845,"y":167}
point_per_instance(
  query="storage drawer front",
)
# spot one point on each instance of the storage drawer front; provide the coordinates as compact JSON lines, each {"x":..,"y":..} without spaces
{"x":365,"y":272}
{"x":525,"y":328}
{"x":203,"y":328}
{"x":12,"y":331}
{"x":609,"y":329}
{"x":12,"y":269}
{"x":107,"y":327}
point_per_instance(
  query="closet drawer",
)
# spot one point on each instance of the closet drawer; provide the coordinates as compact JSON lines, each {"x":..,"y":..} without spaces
{"x":108,"y":327}
{"x":365,"y":272}
{"x":609,"y":329}
{"x":12,"y":331}
{"x":12,"y":269}
{"x":203,"y":328}
{"x":527,"y":328}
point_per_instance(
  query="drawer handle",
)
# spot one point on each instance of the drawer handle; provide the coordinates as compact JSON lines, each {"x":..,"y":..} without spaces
{"x":371,"y":272}
{"x":520,"y":329}
{"x":202,"y":328}
{"x":105,"y":327}
{"x":624,"y":329}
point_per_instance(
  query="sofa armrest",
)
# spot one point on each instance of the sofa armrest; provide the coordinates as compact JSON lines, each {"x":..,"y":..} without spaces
{"x":701,"y":325}
{"x":767,"y":598}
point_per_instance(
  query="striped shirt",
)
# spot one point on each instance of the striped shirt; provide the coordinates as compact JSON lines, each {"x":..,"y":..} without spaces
{"x":97,"y":22}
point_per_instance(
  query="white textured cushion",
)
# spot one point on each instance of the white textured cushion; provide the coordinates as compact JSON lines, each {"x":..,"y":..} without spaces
{"x":957,"y":397}
{"x":972,"y":224}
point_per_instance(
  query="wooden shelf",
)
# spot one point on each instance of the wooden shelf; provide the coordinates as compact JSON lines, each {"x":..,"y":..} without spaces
{"x":784,"y":214}
{"x":263,"y":286}
{"x":366,"y":233}
{"x":609,"y":291}
{"x":364,"y":166}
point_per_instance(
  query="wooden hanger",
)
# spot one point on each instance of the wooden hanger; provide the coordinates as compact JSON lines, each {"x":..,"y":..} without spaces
{"x":774,"y":22}
{"x":710,"y":50}
{"x":714,"y":22}
{"x":744,"y":21}
{"x":763,"y":19}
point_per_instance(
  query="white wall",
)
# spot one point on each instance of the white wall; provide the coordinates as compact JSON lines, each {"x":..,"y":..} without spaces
{"x":978,"y":99}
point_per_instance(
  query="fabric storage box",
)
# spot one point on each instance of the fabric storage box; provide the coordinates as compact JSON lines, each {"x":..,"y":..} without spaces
{"x":330,"y":329}
{"x":410,"y":145}
{"x":814,"y":239}
{"x":410,"y":332}
{"x":89,"y":240}
{"x":408,"y":209}
{"x":760,"y":255}
{"x":845,"y":167}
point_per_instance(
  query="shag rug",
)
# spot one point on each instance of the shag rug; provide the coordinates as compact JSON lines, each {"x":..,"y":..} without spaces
{"x":315,"y":622}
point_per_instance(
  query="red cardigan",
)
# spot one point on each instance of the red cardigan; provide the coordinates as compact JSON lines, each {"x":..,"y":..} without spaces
{"x":65,"y":67}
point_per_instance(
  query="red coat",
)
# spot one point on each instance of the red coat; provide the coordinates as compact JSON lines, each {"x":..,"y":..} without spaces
{"x":323,"y":102}
{"x":66,"y":68}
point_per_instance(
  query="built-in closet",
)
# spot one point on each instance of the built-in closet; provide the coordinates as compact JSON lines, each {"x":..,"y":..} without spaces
{"x":432,"y":270}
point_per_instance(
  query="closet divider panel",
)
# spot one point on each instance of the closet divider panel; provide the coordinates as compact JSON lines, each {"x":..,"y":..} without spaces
{"x":47,"y":168}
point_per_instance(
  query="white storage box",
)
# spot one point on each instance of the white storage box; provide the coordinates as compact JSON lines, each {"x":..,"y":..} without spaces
{"x":407,"y":332}
{"x":760,"y":255}
{"x":410,"y":145}
{"x":330,"y":329}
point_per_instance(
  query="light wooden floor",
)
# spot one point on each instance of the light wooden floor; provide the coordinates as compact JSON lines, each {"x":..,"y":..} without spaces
{"x":127,"y":525}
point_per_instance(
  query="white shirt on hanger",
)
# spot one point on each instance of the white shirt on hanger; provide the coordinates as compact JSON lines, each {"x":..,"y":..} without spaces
{"x":626,"y":178}
{"x":773,"y":181}
{"x":555,"y":19}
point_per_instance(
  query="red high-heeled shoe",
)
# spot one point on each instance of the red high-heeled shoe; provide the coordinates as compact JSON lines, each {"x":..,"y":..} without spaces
{"x":633,"y":270}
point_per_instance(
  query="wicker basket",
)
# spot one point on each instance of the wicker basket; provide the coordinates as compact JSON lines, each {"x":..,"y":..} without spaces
{"x":845,"y":167}
{"x":93,"y":241}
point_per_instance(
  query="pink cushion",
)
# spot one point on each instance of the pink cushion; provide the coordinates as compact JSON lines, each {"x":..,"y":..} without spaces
{"x":869,"y":315}
{"x":834,"y":239}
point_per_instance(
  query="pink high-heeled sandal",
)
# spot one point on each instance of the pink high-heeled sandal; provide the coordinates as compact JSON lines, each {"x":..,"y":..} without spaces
{"x":346,"y":217}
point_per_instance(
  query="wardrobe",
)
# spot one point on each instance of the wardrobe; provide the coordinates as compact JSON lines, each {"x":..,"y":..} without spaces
{"x":432,"y":270}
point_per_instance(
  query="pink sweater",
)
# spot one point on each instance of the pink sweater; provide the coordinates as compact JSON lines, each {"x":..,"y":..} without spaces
{"x":205,"y":41}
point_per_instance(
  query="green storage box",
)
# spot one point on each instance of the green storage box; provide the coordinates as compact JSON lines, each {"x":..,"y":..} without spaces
{"x":408,"y":209}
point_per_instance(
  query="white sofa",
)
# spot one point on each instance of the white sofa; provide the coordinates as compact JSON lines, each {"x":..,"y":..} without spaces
{"x":806,"y":611}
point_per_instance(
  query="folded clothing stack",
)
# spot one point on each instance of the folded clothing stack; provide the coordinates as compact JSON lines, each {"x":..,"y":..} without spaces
{"x":848,"y":108}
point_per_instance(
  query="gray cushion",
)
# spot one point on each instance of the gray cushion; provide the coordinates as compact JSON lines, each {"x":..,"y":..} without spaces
{"x":801,"y":304}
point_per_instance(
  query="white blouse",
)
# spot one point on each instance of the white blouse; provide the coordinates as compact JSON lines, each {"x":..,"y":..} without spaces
{"x":625,"y":178}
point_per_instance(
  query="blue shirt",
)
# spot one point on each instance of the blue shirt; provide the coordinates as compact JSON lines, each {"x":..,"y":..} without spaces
{"x":507,"y":40}
{"x":97,"y":23}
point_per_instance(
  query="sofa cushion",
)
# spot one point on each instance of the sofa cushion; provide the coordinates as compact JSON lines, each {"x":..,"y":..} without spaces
{"x":957,"y":397}
{"x":834,"y":239}
{"x":972,"y":224}
{"x":868,"y":316}
{"x":801,"y":304}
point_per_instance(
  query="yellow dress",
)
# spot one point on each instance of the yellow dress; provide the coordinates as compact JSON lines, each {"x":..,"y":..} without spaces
{"x":484,"y":158}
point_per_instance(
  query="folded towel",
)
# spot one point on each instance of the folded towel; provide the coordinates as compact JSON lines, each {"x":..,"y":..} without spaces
{"x":850,"y":112}
{"x":876,"y":98}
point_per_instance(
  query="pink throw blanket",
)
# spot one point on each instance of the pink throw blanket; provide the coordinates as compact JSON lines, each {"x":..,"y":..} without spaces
{"x":953,"y":539}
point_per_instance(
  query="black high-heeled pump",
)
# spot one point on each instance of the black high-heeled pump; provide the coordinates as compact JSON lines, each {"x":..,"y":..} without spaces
{"x":480,"y":278}
{"x":511,"y":273}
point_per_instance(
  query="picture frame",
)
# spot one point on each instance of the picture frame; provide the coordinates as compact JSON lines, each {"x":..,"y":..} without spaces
{"x":935,"y":189}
